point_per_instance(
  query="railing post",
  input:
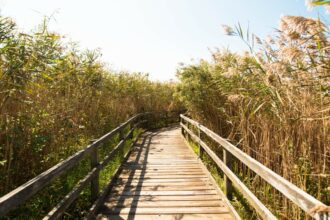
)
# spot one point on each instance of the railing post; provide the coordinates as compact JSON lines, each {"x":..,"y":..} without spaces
{"x":166,"y":119}
{"x":182,"y":130}
{"x":121,"y":134}
{"x":130,"y":127}
{"x":146,"y":118}
{"x":201,"y":151}
{"x":227,"y":159}
{"x":121,"y":137}
{"x":151,"y":118}
{"x":187,"y":134}
{"x":95,"y":180}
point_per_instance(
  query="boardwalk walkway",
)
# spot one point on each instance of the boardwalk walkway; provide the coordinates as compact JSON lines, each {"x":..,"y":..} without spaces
{"x":164,"y":179}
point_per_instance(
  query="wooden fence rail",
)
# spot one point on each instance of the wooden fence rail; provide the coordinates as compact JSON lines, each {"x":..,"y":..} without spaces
{"x":19,"y":195}
{"x":302,"y":199}
{"x":191,"y":129}
{"x":30,"y":188}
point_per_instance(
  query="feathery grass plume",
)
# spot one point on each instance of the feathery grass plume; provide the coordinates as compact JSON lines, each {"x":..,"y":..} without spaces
{"x":228,"y":30}
{"x":269,"y":102}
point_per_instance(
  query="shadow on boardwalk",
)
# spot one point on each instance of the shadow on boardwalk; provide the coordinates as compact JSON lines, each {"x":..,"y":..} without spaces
{"x":163,"y":179}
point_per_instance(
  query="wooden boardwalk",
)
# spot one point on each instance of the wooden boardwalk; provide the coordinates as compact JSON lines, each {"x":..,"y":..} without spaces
{"x":164,"y":179}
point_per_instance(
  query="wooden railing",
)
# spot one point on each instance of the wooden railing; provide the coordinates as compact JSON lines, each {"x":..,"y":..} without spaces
{"x":18,"y":196}
{"x":302,"y":199}
{"x":30,"y":188}
{"x":189,"y":128}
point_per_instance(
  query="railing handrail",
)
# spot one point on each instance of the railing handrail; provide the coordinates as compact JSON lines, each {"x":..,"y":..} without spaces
{"x":33,"y":186}
{"x":299,"y":197}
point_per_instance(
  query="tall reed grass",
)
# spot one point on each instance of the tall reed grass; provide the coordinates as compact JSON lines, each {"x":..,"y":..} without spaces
{"x":273,"y":102}
{"x":55,"y":98}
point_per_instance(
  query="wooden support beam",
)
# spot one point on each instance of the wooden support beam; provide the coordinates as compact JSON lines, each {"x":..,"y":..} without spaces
{"x":227,"y":159}
{"x":95,"y":180}
{"x":201,"y":150}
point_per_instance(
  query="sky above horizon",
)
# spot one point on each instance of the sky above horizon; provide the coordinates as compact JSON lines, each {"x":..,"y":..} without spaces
{"x":154,"y":36}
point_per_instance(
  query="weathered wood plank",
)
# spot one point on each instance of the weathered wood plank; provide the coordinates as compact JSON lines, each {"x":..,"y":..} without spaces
{"x":162,"y":187}
{"x":181,"y":184}
{"x":204,"y":179}
{"x":163,"y":198}
{"x":168,"y":210}
{"x":165,"y":171}
{"x":161,"y":176}
{"x":163,"y":179}
{"x":148,"y":166}
{"x":158,"y":204}
{"x":166,"y":193}
{"x":151,"y":159}
{"x":168,"y":217}
{"x":154,"y":163}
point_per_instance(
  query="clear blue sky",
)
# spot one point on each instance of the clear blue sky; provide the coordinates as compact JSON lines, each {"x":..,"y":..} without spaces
{"x":154,"y":35}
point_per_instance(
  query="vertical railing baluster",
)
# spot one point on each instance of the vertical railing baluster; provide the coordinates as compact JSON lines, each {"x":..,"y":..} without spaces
{"x":201,"y":151}
{"x":187,"y":134}
{"x":166,"y":119}
{"x":182,"y":122}
{"x":121,"y":137}
{"x":95,"y":181}
{"x":131,"y":125}
{"x":227,"y":159}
